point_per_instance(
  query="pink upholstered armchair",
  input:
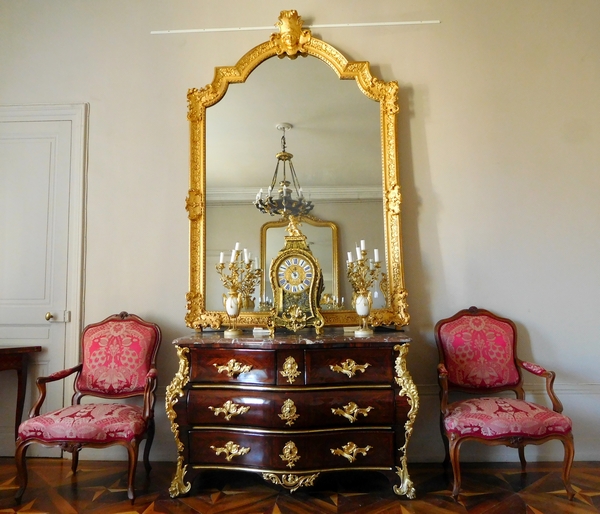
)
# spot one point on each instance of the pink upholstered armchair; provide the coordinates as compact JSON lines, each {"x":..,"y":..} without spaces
{"x":478,"y":355}
{"x":118,"y":361}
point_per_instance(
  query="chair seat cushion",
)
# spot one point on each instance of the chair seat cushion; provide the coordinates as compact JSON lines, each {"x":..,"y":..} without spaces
{"x":493,"y":418}
{"x":91,"y":423}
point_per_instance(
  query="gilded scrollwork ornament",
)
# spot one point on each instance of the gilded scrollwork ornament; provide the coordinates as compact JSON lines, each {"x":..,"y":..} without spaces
{"x":174,"y":391}
{"x":291,"y":482}
{"x":408,"y":389}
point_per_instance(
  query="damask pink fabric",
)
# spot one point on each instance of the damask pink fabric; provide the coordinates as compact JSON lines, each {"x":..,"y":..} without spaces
{"x":492,"y":418}
{"x":116,"y":357}
{"x":479,"y":352}
{"x":536,"y":369}
{"x":86,"y":423}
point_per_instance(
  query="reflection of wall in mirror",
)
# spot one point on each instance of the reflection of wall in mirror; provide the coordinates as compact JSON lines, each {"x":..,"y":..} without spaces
{"x":356,"y":220}
{"x":229,"y":224}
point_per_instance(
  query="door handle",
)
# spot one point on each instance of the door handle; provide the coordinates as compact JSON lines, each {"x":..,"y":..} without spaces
{"x":49,"y":316}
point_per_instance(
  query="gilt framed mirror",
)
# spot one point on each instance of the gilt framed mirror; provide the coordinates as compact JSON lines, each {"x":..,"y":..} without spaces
{"x":353,"y":182}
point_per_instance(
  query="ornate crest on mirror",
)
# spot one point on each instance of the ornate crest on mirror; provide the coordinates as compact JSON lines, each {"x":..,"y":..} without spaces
{"x":292,"y":41}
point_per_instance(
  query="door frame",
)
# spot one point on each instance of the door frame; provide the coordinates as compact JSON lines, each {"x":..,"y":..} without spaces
{"x":77,"y":115}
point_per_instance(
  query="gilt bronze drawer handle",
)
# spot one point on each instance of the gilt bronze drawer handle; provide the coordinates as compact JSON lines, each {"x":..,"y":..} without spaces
{"x":351,"y":411}
{"x":288,"y":412}
{"x":233,"y":368}
{"x":230,"y":409}
{"x":231,"y":450}
{"x":350,"y":451}
{"x":290,"y":454}
{"x":290,"y":370}
{"x":349,"y":367}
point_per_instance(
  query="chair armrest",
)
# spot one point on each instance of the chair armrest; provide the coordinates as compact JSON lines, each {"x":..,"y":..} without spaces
{"x":149,"y":396}
{"x":539,"y":371}
{"x":443,"y":382}
{"x":41,"y":385}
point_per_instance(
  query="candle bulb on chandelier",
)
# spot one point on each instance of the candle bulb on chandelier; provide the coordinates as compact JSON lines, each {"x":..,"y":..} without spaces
{"x":237,"y":247}
{"x":246,"y":257}
{"x":363,"y":244}
{"x":376,"y":255}
{"x":221,"y":258}
{"x":232,"y":256}
{"x":349,"y":256}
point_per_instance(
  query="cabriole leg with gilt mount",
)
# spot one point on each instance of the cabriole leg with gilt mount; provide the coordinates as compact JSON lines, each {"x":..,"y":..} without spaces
{"x":408,"y":389}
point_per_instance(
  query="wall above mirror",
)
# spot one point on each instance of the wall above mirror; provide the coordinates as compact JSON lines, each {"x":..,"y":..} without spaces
{"x":226,"y":171}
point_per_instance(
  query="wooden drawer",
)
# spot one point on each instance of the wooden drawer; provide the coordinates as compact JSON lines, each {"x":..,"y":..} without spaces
{"x":349,"y":366}
{"x":293,"y":452}
{"x":290,"y":409}
{"x":232,"y":366}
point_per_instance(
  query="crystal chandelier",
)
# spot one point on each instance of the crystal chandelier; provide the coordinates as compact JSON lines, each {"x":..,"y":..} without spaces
{"x":284,"y":197}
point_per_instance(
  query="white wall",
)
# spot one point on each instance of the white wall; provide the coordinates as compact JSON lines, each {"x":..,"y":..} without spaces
{"x":500,"y":152}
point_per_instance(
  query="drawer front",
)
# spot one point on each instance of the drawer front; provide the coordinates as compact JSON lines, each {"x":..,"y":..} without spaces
{"x":291,"y":410}
{"x":294,"y":452}
{"x":349,"y":366}
{"x":232,"y":366}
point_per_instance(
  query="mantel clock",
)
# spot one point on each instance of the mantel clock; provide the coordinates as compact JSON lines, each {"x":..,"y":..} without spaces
{"x":297,"y":283}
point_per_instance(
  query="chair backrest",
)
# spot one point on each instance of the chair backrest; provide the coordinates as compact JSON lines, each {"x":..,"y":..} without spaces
{"x":478,"y":349}
{"x":117,"y":354}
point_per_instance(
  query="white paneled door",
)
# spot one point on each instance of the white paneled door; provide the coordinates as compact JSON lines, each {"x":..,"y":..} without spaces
{"x":42,"y":171}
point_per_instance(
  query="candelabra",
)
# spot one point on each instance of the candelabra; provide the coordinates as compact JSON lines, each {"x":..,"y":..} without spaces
{"x":362,"y":273}
{"x":241,"y":281}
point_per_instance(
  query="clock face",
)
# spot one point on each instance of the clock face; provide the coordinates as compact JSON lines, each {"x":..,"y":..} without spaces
{"x":295,"y":274}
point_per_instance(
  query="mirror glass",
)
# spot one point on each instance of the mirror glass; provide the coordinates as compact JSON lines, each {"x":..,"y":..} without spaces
{"x":335,"y":142}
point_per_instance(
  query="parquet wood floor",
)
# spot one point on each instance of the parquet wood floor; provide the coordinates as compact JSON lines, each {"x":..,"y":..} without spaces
{"x":100,"y":487}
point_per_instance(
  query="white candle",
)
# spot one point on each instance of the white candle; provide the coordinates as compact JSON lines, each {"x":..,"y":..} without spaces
{"x":358,"y":254}
{"x":376,"y":254}
{"x":232,"y":255}
{"x":363,"y":244}
{"x":349,"y":256}
{"x":237,"y":246}
{"x":246,"y":257}
{"x":221,"y":258}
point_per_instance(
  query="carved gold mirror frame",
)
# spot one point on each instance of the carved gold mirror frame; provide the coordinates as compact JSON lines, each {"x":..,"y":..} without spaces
{"x":291,"y":41}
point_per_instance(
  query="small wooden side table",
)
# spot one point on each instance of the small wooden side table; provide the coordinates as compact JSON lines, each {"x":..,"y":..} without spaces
{"x":17,"y":357}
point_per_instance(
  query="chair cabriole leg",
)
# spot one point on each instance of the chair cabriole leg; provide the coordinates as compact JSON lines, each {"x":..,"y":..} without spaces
{"x":132,"y":450}
{"x":147,"y":446}
{"x":454,"y":448}
{"x":568,"y":463}
{"x":20,"y":455}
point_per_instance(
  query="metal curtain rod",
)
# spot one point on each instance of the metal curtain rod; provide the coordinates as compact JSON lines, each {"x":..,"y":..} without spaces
{"x":325,"y":25}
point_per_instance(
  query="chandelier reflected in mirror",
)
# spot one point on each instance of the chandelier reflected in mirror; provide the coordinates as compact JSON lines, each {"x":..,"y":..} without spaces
{"x":284,"y":196}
